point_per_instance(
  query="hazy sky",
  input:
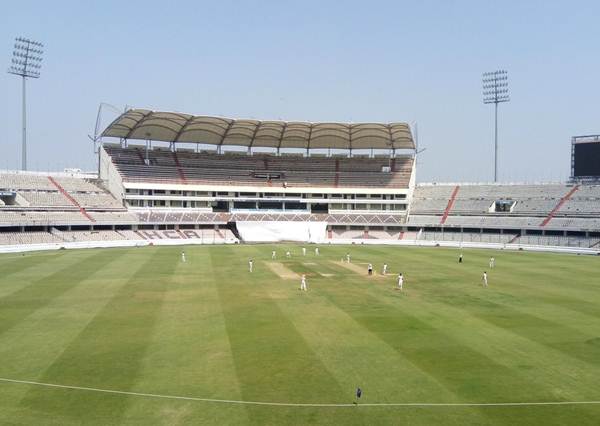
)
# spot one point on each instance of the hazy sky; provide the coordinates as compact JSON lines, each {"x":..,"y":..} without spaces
{"x":413,"y":61}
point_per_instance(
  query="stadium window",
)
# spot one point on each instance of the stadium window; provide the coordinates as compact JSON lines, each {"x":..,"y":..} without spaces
{"x":295,"y":206}
{"x":270,"y":205}
{"x":246,"y":205}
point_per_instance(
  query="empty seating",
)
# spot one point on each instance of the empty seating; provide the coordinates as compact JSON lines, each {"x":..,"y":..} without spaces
{"x":260,"y":169}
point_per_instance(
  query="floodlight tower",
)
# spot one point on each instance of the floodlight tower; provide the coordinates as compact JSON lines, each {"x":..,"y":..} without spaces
{"x":26,"y":63}
{"x":495,"y":91}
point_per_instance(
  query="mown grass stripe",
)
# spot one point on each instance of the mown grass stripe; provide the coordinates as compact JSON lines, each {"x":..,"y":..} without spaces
{"x":106,"y":353}
{"x":18,"y":305}
{"x":25,"y":261}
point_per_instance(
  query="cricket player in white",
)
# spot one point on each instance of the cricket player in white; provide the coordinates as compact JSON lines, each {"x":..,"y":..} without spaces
{"x":250,"y":265}
{"x":303,"y":251}
{"x":183,"y":256}
{"x":384,"y":269}
{"x":273,"y":254}
{"x":484,"y":279}
{"x":492,"y":262}
{"x":400,"y":281}
{"x":303,"y":283}
{"x":288,"y":254}
{"x":348,"y":258}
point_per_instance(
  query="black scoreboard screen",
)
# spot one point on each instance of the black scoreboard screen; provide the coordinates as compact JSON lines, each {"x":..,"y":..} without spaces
{"x":586,"y":159}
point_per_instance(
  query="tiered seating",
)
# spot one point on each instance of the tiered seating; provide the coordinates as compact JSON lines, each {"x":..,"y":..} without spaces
{"x":77,"y":236}
{"x":72,"y":184}
{"x":551,"y":240}
{"x":42,"y":218}
{"x":46,"y":199}
{"x":16,"y":238}
{"x":471,"y":237}
{"x":238,"y":169}
{"x":474,"y":206}
{"x":128,"y":234}
{"x":15,"y":181}
{"x":96,"y":200}
{"x":114,"y":217}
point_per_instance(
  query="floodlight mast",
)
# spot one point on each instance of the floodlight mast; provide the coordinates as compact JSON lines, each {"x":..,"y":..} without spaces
{"x":26,"y":63}
{"x":495,"y":91}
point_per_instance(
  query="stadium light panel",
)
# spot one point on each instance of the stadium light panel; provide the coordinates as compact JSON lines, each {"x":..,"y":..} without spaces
{"x":26,"y":63}
{"x":495,"y":91}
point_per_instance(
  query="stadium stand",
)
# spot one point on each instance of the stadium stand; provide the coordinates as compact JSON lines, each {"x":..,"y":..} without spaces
{"x":165,"y":195}
{"x":259,"y":170}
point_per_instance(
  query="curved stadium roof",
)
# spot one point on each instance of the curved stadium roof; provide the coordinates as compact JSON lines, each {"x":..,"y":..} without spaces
{"x":176,"y":127}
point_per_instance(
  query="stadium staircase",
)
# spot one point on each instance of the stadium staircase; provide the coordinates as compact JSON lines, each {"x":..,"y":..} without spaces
{"x":337,"y":173}
{"x":450,"y":204}
{"x":121,"y":234}
{"x":562,"y":201}
{"x":71,"y":199}
{"x":139,"y":153}
{"x":179,"y":169}
{"x":513,"y":239}
{"x":141,"y":235}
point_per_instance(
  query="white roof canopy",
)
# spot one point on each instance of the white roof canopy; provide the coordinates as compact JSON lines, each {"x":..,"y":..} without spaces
{"x":178,"y":127}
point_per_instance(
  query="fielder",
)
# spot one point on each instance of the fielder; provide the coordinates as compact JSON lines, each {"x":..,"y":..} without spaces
{"x":303,"y":251}
{"x":303,"y":283}
{"x":288,"y":254}
{"x":484,"y":279}
{"x":316,"y":251}
{"x":400,"y":281}
{"x":347,"y":257}
{"x":183,"y":256}
{"x":492,"y":262}
{"x":250,"y":265}
{"x":384,"y":271}
{"x":273,"y":255}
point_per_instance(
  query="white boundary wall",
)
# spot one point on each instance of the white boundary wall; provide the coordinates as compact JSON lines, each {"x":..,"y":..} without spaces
{"x":405,"y":243}
{"x":457,"y":244}
{"x":107,"y":244}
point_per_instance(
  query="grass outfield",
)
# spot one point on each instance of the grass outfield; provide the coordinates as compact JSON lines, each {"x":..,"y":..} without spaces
{"x":140,"y":320}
